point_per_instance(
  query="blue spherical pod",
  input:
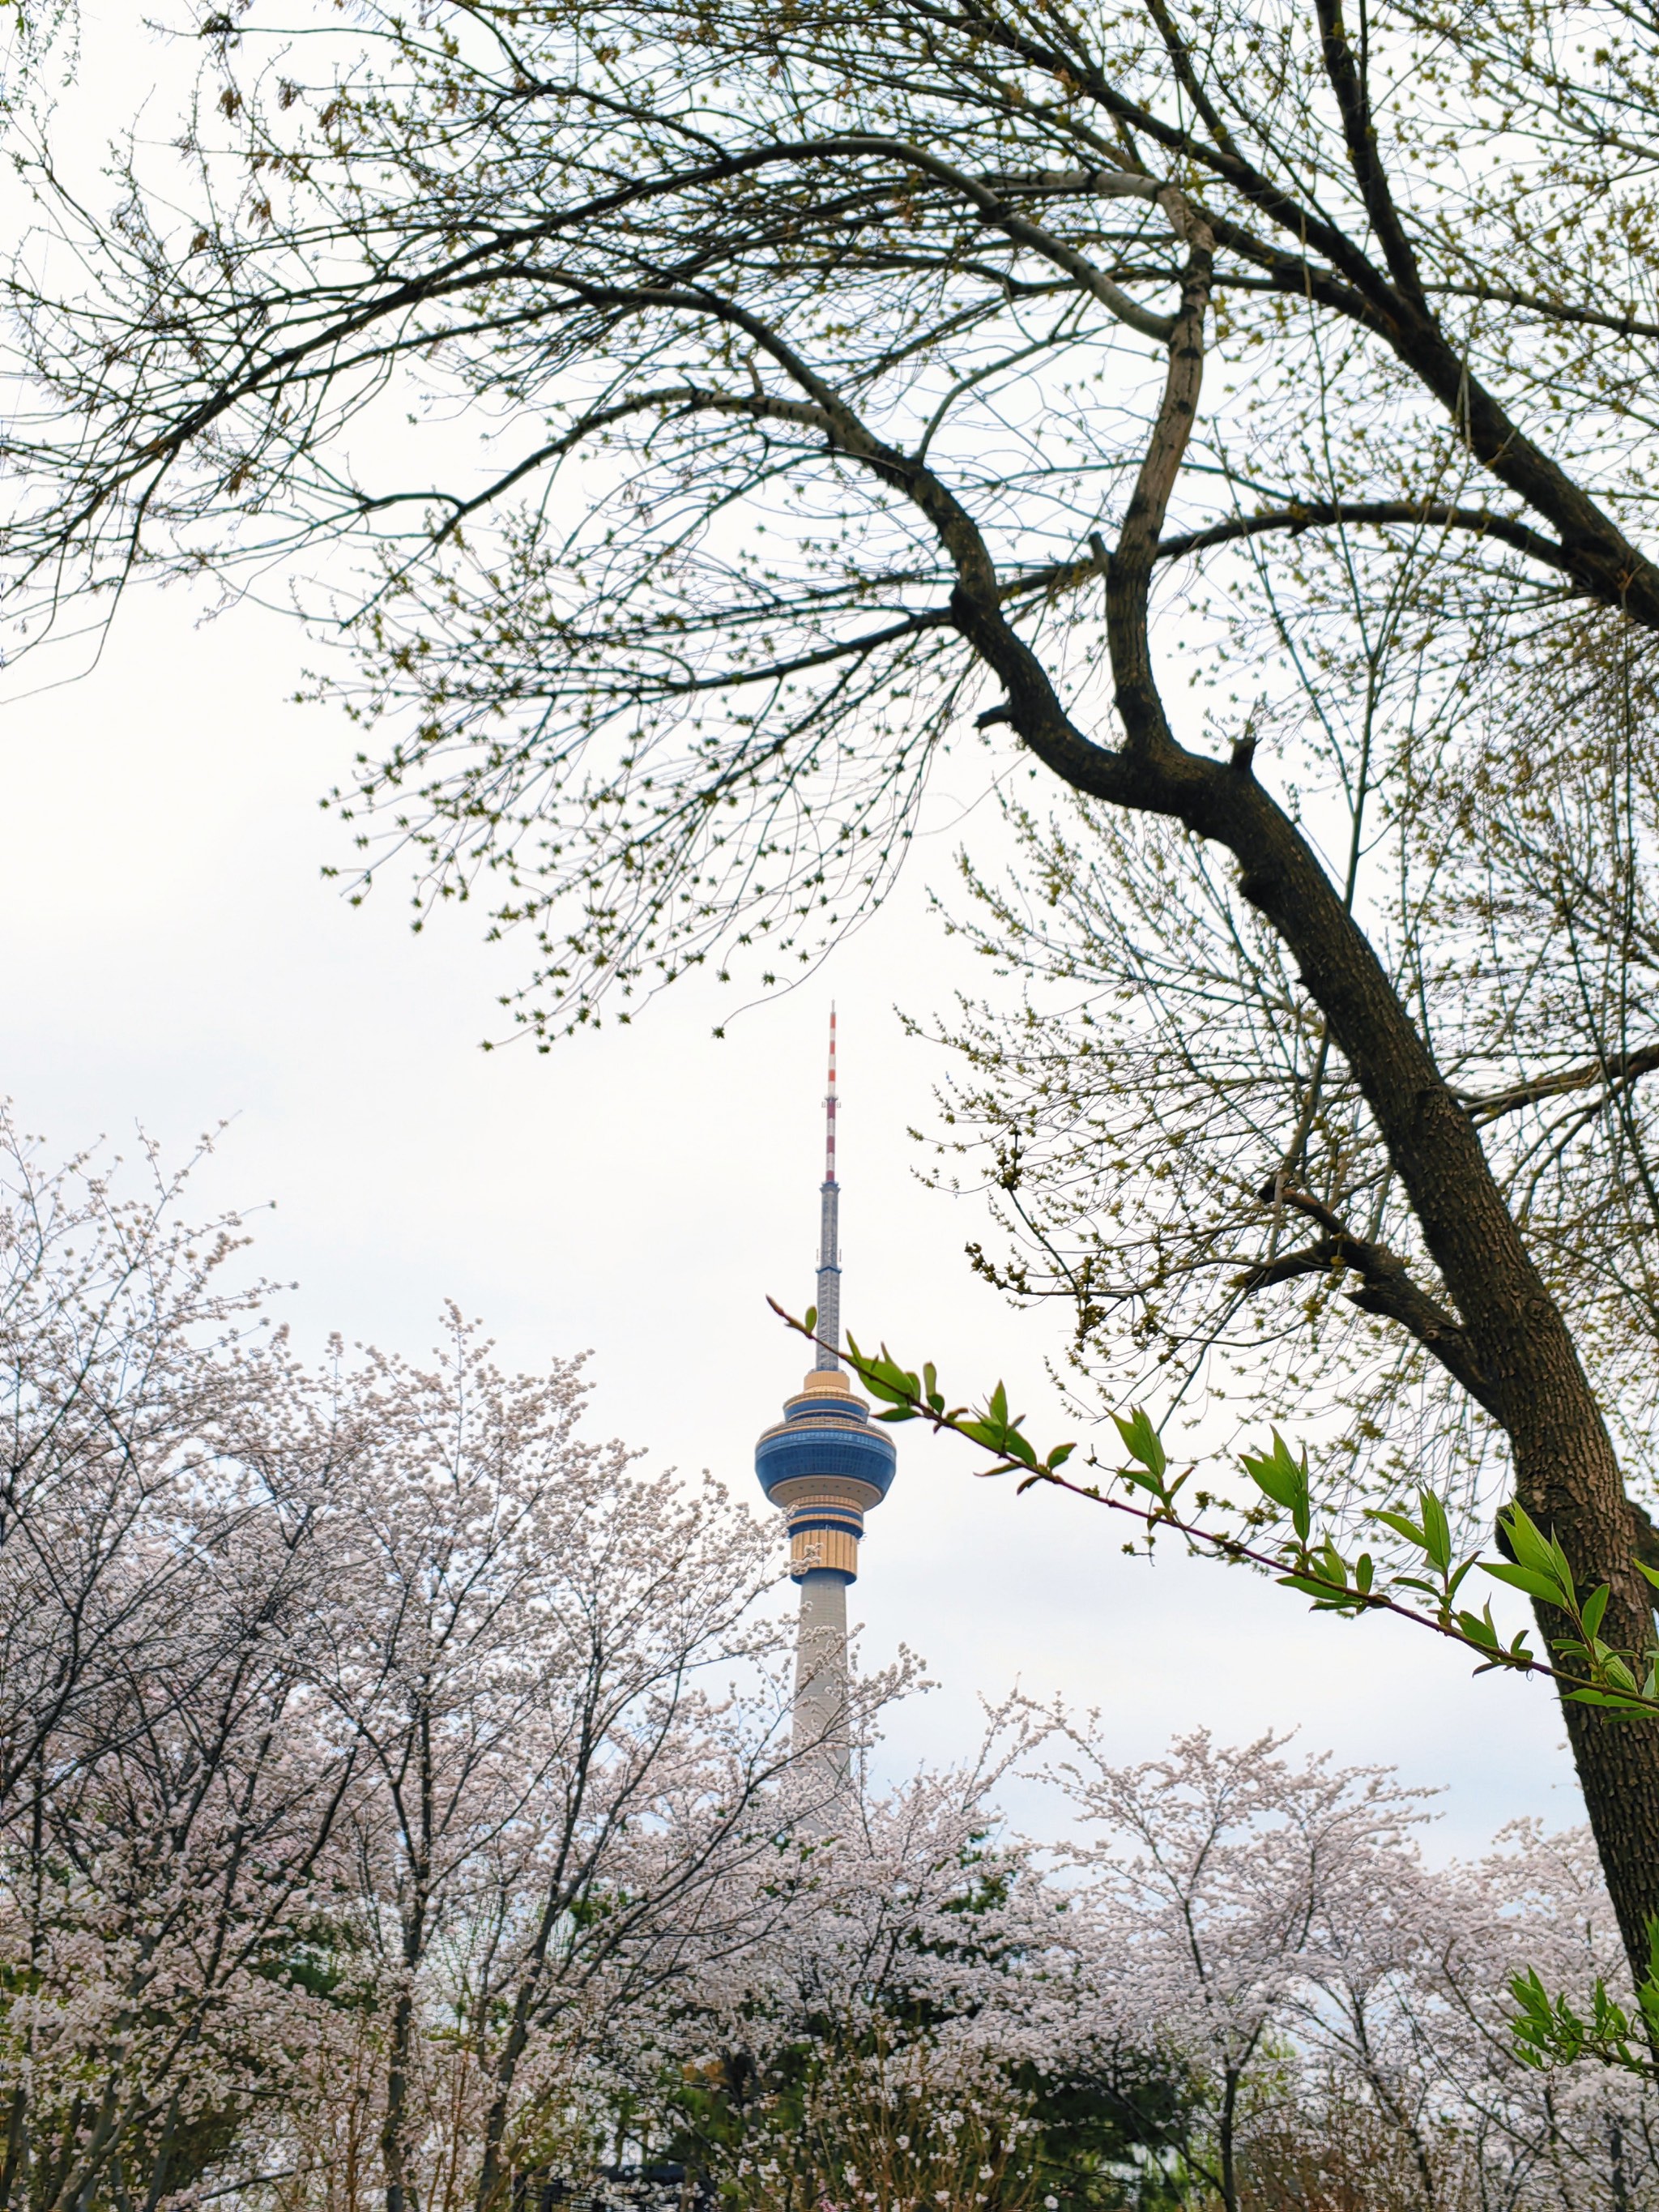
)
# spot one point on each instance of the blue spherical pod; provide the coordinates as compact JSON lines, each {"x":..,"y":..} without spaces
{"x":820,"y":1436}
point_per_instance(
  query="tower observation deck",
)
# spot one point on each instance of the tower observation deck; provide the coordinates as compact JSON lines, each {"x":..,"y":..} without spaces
{"x":824,"y":1467}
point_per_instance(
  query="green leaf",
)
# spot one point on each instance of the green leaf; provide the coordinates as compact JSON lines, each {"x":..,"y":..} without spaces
{"x":1652,"y":1573}
{"x":1284,"y":1478}
{"x":1524,"y":1578}
{"x":1331,"y":1564}
{"x":891,"y":1388}
{"x":1308,"y":1588}
{"x":1530,"y":1993}
{"x":883,"y":1376}
{"x":1060,"y":1454}
{"x":1437,"y":1531}
{"x":1545,"y":2033}
{"x":810,"y":1323}
{"x":1142,"y":1441}
{"x":1532,"y":1548}
{"x":1648,"y":1995}
{"x":1402,"y":1527}
{"x":1595,"y":1606}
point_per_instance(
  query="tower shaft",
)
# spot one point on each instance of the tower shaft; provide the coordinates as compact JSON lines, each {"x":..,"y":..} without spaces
{"x":820,"y":1727}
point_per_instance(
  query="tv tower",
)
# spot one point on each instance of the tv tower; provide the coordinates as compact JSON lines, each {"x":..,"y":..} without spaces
{"x":825,"y":1466}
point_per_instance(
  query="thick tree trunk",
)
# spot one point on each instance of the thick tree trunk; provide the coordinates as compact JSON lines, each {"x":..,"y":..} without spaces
{"x":1512,"y":1337}
{"x":1566,"y":1471}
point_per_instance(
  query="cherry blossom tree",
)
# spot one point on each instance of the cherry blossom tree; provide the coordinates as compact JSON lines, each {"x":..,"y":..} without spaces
{"x":153,"y":2023}
{"x":161,"y":1866}
{"x":1240,"y":1984}
{"x":374,"y":1739}
{"x":1581,"y":2135}
{"x":161,"y":1806}
{"x":560,"y":1816}
{"x":1342,"y":2008}
{"x":1210,"y":1872}
{"x":113,"y":1314}
{"x":399,"y":1810}
{"x":922,"y":2028}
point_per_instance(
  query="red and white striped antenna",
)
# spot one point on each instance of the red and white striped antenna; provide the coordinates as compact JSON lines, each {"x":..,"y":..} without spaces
{"x":829,"y":1228}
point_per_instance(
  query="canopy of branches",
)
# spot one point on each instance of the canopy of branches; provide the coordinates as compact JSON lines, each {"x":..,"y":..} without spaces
{"x":784,"y":329}
{"x":856,"y":382}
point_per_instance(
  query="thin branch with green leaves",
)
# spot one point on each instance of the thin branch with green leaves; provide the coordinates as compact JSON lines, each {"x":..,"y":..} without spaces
{"x":1584,"y":1667}
{"x":1548,"y":2031}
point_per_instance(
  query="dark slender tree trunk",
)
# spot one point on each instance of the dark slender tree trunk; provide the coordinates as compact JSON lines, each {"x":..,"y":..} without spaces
{"x":13,"y":2168}
{"x":398,"y":2198}
{"x":1227,"y":2144}
{"x":492,"y":2169}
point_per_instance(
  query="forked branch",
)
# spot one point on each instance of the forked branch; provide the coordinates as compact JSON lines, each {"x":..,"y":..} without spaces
{"x":1386,"y":1286}
{"x":1617,"y":1071}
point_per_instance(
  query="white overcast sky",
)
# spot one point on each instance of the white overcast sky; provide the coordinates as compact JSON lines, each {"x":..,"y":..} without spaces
{"x":172,"y":957}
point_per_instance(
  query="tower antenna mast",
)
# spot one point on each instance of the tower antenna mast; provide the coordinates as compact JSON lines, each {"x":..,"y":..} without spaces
{"x":828,"y":1359}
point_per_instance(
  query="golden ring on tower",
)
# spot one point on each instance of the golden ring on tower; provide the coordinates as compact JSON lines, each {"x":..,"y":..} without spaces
{"x":823,"y":1547}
